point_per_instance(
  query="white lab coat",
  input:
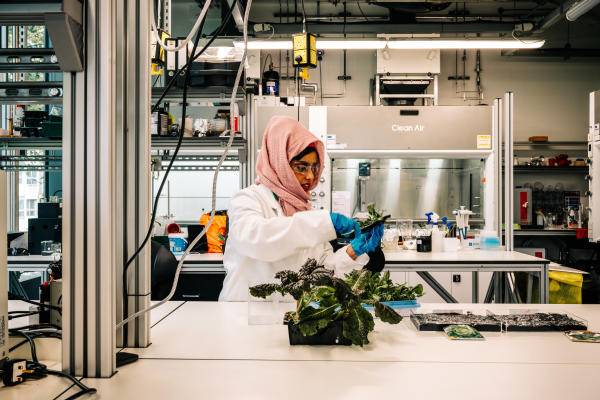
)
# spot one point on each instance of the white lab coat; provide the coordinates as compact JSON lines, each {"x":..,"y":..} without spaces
{"x":262,"y":241}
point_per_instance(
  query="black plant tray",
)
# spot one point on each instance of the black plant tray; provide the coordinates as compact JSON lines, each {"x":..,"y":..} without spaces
{"x":541,"y":322}
{"x":330,"y":335}
{"x":438,"y":321}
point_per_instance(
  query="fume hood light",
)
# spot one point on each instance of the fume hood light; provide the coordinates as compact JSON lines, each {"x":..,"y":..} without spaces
{"x":580,"y":8}
{"x":397,"y":44}
{"x":463,"y":44}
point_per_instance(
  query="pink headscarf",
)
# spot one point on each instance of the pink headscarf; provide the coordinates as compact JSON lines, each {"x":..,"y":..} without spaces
{"x":284,"y":139}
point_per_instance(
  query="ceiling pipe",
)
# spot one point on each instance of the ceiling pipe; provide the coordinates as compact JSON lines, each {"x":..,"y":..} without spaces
{"x":368,"y":28}
{"x":580,"y":8}
{"x":553,"y":17}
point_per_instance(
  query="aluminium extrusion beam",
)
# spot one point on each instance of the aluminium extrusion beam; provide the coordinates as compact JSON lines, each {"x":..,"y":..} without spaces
{"x":106,"y":181}
{"x":133,"y":144}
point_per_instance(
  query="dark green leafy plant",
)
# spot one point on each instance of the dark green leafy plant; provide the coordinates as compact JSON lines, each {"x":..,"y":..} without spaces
{"x":374,"y":216}
{"x":382,"y":288}
{"x":337,"y":301}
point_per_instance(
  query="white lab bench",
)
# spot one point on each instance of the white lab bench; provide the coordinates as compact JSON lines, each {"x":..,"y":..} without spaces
{"x":501,"y":287}
{"x":433,"y":269}
{"x":207,"y":350}
{"x":429,"y":266}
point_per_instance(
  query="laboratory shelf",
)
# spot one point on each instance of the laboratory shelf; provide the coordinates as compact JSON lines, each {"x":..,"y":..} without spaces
{"x":544,"y":169}
{"x":30,"y":143}
{"x":195,"y":143}
{"x":545,"y":232}
{"x":216,"y":144}
{"x":213,"y":94}
{"x":558,"y":146}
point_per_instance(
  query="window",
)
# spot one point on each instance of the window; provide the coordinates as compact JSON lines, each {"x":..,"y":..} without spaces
{"x":21,"y":208}
{"x":31,"y":208}
{"x":32,"y":177}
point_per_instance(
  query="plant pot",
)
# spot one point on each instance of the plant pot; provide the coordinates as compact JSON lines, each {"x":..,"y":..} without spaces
{"x":330,"y":335}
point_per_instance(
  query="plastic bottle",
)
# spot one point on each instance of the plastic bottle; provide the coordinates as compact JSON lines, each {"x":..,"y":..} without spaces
{"x":437,"y":239}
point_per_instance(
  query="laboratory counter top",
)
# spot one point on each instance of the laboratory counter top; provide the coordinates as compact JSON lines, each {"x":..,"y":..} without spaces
{"x":402,"y":256}
{"x":210,"y":345}
{"x":207,"y":350}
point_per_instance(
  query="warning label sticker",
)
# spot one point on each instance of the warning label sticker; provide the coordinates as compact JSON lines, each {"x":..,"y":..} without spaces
{"x":484,"y":141}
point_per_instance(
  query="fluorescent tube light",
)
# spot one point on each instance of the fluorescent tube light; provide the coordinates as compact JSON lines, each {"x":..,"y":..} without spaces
{"x":580,"y":8}
{"x":332,"y":44}
{"x":321,"y":44}
{"x":266,"y":44}
{"x":350,"y":44}
{"x":463,"y":44}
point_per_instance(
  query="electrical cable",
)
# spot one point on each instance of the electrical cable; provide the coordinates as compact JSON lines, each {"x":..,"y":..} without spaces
{"x":189,"y":37}
{"x":156,"y":80}
{"x":303,"y":17}
{"x":169,"y":86}
{"x":36,"y":327}
{"x":35,"y":335}
{"x":13,"y":296}
{"x":361,"y":11}
{"x":215,"y":176}
{"x":22,"y":314}
{"x":41,"y":368}
{"x":180,"y":70}
{"x":297,"y":80}
{"x":321,"y":82}
{"x":31,"y":345}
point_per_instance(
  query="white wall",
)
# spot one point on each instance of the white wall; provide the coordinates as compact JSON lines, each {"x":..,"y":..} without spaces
{"x":551,"y":96}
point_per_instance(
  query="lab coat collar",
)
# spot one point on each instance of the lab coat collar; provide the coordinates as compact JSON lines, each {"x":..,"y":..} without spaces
{"x":268,"y":194}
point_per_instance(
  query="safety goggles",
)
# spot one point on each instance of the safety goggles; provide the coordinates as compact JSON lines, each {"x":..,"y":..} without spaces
{"x":302,"y":167}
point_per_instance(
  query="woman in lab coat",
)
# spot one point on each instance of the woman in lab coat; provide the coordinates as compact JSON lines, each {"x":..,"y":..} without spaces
{"x":271,"y":224}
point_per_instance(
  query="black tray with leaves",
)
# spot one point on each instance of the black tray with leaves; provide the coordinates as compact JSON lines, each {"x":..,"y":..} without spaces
{"x":438,"y":321}
{"x":332,"y":334}
{"x":338,"y":303}
{"x":541,"y":322}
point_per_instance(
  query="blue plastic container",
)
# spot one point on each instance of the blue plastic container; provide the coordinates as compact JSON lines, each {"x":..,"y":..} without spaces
{"x":396,"y":305}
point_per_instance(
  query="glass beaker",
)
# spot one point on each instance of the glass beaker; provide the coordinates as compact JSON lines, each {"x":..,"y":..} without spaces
{"x":47,"y":247}
{"x":405,"y":229}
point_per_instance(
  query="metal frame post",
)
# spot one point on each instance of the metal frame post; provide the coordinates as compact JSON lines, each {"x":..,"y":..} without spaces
{"x":106,"y":181}
{"x":508,"y":170}
{"x":497,"y":149}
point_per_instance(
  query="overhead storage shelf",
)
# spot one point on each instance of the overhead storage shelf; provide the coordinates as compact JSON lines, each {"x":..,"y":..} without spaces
{"x":28,"y":60}
{"x":216,"y":144}
{"x":213,"y":94}
{"x":30,"y":143}
{"x":31,"y":92}
{"x":63,"y":20}
{"x":546,"y":169}
{"x":210,"y":144}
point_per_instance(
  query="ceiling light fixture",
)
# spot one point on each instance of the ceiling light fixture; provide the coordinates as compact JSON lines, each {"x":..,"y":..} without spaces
{"x":463,"y":44}
{"x":580,"y":8}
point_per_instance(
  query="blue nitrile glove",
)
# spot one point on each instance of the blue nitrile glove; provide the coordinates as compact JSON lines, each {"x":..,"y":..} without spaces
{"x":344,"y":225}
{"x":368,"y":242}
